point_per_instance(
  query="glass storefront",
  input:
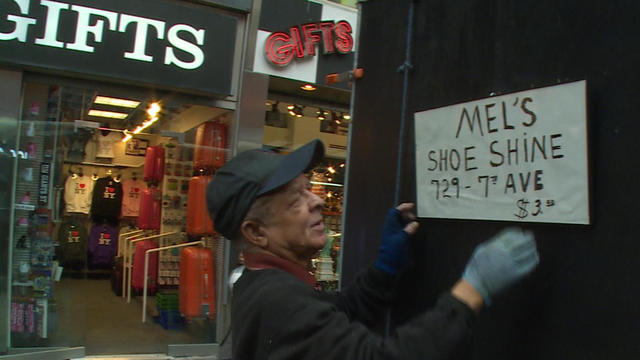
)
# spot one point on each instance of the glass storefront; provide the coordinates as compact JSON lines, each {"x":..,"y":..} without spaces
{"x":77,"y":260}
{"x":103,"y":183}
{"x":88,"y":203}
{"x":288,"y":125}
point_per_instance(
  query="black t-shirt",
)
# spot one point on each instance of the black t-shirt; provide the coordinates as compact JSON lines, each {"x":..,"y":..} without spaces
{"x":107,"y":200}
{"x":72,"y":251}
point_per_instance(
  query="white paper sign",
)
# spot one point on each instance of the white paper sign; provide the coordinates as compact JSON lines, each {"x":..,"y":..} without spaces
{"x":515,"y":157}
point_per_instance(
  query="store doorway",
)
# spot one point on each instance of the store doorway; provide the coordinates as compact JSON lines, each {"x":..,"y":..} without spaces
{"x":78,"y":206}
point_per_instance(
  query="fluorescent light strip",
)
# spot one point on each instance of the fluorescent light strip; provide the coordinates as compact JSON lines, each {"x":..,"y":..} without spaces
{"x":145,"y":125}
{"x":153,"y":110}
{"x":107,"y":114}
{"x":324,"y":183}
{"x":105,"y":100}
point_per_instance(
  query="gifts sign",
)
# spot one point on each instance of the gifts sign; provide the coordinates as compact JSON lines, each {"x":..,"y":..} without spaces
{"x":514,"y":157}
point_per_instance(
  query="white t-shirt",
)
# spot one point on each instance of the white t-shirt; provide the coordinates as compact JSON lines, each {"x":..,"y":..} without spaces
{"x":77,"y":194}
{"x":104,"y":148}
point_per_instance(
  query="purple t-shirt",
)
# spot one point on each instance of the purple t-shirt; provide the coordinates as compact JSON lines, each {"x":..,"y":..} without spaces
{"x":103,"y":245}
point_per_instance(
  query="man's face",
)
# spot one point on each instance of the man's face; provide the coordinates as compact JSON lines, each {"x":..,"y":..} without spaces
{"x":296,"y":230}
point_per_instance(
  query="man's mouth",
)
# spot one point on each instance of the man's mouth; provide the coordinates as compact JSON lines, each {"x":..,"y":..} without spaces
{"x":319,"y":223}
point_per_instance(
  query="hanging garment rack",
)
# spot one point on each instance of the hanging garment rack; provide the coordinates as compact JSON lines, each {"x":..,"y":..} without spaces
{"x":125,"y":237}
{"x":146,"y":270}
{"x":128,"y":266}
{"x":123,"y":247}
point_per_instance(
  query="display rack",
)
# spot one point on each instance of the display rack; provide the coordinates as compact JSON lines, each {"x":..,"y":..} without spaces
{"x":174,"y":211}
{"x":146,"y":269}
{"x":127,"y":266}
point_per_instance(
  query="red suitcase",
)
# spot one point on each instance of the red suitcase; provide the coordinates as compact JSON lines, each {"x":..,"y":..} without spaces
{"x":196,"y":291}
{"x":210,"y":144}
{"x":154,"y":164}
{"x":137,"y":274}
{"x":198,"y":220}
{"x":149,"y":217}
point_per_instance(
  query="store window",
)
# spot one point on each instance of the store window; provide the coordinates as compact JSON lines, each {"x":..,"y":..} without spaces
{"x":106,"y":175}
{"x":289,"y":125}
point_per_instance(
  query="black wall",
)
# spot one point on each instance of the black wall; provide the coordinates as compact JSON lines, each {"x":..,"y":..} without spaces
{"x":583,"y":300}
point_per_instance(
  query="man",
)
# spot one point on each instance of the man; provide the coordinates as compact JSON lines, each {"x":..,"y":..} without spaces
{"x":263,"y":200}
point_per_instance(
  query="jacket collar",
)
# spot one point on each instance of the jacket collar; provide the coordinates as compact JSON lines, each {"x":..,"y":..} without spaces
{"x":261,"y":261}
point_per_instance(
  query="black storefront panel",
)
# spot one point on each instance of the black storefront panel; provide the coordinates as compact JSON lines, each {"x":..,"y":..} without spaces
{"x":167,"y":43}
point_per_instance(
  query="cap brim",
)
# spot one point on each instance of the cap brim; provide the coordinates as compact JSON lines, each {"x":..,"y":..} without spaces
{"x":299,"y":161}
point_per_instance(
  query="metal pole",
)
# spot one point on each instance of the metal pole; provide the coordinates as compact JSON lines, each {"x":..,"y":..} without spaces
{"x":146,"y":269}
{"x":125,"y":260}
{"x":144,"y":288}
{"x":405,"y":68}
{"x":131,"y":253}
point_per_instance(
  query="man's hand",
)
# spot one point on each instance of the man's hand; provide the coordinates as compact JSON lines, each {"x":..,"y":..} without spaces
{"x":394,"y":247}
{"x":501,"y":261}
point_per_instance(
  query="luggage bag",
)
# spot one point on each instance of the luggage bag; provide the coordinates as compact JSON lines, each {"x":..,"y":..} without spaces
{"x":154,"y":164}
{"x":196,"y":291}
{"x":137,"y":274}
{"x":210,"y":144}
{"x":150,"y":209}
{"x":198,"y":220}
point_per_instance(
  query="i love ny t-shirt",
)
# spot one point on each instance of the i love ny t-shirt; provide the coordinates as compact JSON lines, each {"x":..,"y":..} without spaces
{"x":131,"y":190}
{"x":107,"y":200}
{"x":103,"y":245}
{"x":77,"y":194}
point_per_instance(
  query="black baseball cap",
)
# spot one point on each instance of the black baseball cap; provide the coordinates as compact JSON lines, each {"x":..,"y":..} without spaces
{"x":251,"y":174}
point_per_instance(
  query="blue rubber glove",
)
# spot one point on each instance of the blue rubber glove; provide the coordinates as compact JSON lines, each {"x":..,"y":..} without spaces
{"x":501,"y":261}
{"x":394,"y":247}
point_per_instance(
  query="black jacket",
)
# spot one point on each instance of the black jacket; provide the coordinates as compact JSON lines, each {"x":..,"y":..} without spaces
{"x":276,"y":315}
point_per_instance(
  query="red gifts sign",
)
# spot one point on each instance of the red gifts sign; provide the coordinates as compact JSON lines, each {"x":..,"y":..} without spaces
{"x":300,"y":41}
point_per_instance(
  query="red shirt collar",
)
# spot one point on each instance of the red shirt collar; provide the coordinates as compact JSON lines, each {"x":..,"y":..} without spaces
{"x":268,"y":261}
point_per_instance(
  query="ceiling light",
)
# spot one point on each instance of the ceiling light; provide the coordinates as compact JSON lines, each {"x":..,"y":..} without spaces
{"x":321,"y":114}
{"x":346,"y":116}
{"x":126,"y":137}
{"x":307,"y":87}
{"x":153,"y":109}
{"x":105,"y":100}
{"x":107,"y":114}
{"x":295,"y":110}
{"x":145,"y":125}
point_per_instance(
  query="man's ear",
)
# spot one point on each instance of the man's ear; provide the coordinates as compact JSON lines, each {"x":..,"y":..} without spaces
{"x":254,"y":233}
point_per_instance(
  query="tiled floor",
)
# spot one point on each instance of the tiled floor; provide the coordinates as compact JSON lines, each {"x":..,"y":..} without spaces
{"x":89,"y":314}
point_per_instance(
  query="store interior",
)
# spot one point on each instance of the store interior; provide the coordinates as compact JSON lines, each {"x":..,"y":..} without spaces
{"x":108,"y":174}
